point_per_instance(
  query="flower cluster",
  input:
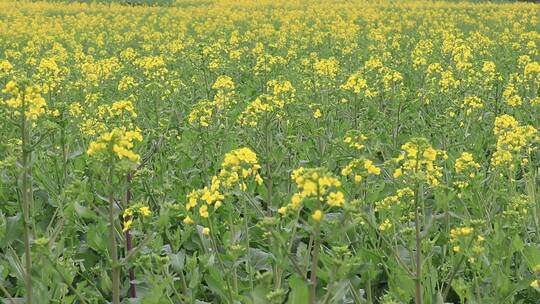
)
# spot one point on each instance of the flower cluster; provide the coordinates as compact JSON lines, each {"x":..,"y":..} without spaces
{"x":250,"y":116}
{"x":118,"y":141}
{"x":238,"y":165}
{"x":281,"y":94}
{"x":50,"y":74}
{"x":96,"y":71}
{"x":317,"y":113}
{"x":356,"y":83}
{"x":532,"y":72}
{"x":395,"y":210}
{"x":385,"y":225}
{"x":265,"y":62}
{"x":391,"y":78}
{"x":130,"y":214}
{"x":404,"y":195}
{"x":201,"y":114}
{"x":374,"y":79}
{"x":153,"y":67}
{"x":125,"y":83}
{"x":26,"y":99}
{"x":512,"y":141}
{"x":224,"y":87}
{"x":360,"y":168}
{"x":464,"y":240}
{"x":237,"y":168}
{"x":457,"y":234}
{"x":418,"y":160}
{"x":121,"y":107}
{"x":204,"y":110}
{"x":489,"y":68}
{"x":471,"y":103}
{"x":511,"y":94}
{"x":467,"y":168}
{"x":536,"y":282}
{"x":327,"y":67}
{"x":448,"y":81}
{"x":354,"y":139}
{"x":204,"y":199}
{"x":516,"y":210}
{"x":315,"y":186}
{"x":5,"y":66}
{"x":281,"y":90}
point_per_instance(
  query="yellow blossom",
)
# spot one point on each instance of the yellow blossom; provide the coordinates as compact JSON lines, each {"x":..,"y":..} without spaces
{"x":145,"y":211}
{"x":317,"y":215}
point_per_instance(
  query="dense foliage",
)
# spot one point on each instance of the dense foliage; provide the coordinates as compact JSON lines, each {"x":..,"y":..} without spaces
{"x":269,"y":152}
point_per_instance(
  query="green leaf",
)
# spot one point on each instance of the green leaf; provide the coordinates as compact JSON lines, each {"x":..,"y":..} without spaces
{"x":178,"y":261}
{"x":259,"y":259}
{"x":299,"y":290}
{"x":96,"y":239}
{"x":517,"y":244}
{"x":83,"y":212}
{"x":195,"y":279}
{"x":156,"y":295}
{"x":340,"y":291}
{"x":216,"y":283}
{"x":401,"y":284}
{"x":13,"y":230}
{"x":105,"y":281}
{"x":258,"y":296}
{"x":532,"y":256}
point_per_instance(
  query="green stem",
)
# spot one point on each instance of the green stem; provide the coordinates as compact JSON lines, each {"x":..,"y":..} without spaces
{"x":220,"y":262}
{"x":248,"y":257}
{"x":454,"y":272}
{"x":418,"y":257}
{"x":115,"y":271}
{"x":27,"y":197}
{"x":64,"y":152}
{"x":356,"y":297}
{"x":390,"y":246}
{"x":314,"y":265}
{"x":185,"y":288}
{"x":530,"y":182}
{"x":290,"y":256}
{"x":181,"y":298}
{"x":234,"y":272}
{"x":6,"y":293}
{"x":369,"y":292}
{"x":267,"y":145}
{"x":66,"y":281}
